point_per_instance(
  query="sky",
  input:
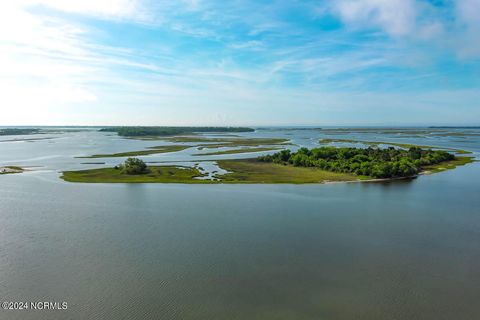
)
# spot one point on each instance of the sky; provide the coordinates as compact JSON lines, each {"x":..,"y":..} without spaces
{"x":248,"y":62}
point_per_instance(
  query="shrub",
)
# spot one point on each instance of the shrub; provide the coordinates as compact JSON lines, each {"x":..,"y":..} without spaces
{"x":134,"y":166}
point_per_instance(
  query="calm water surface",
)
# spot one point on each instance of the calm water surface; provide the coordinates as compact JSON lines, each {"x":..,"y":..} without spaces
{"x":404,"y":250}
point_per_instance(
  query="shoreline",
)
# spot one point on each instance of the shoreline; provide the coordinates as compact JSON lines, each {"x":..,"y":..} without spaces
{"x":375,"y":180}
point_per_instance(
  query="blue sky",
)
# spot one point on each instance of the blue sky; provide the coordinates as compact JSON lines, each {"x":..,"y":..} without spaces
{"x":198,"y":62}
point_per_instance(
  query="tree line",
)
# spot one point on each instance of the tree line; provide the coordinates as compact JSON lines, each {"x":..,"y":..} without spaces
{"x":17,"y":131}
{"x":169,"y":131}
{"x":372,"y":162}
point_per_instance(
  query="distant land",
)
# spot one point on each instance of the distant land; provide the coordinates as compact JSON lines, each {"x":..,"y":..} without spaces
{"x":290,"y":129}
{"x":17,"y":131}
{"x":170,"y":131}
{"x":454,"y":127}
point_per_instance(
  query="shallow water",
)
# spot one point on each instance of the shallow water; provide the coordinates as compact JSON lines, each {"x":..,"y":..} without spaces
{"x":400,"y":250}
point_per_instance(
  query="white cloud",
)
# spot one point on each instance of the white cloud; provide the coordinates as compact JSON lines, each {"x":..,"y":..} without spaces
{"x":38,"y":61}
{"x":192,"y":4}
{"x":453,"y":27}
{"x":469,"y":12}
{"x":248,"y":45}
{"x":116,"y":9}
{"x":396,"y":17}
{"x":468,"y":19}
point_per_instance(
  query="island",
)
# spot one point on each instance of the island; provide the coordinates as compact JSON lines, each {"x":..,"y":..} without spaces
{"x":455,"y":127}
{"x":388,"y":143}
{"x":18,"y":131}
{"x":149,"y":151}
{"x":170,"y":131}
{"x":136,"y":171}
{"x":11,"y":169}
{"x":318,"y":165}
{"x":235,"y":151}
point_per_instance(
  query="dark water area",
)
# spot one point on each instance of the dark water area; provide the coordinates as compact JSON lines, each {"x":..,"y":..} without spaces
{"x":397,"y":250}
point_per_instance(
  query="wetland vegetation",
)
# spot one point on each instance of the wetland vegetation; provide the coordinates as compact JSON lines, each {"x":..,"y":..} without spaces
{"x":149,"y":151}
{"x":135,"y":170}
{"x":157,"y":174}
{"x":254,"y":171}
{"x":447,"y":165}
{"x":236,"y":151}
{"x":11,"y":169}
{"x":203,"y":143}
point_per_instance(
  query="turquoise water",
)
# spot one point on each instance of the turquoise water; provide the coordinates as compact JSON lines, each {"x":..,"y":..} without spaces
{"x":403,"y":250}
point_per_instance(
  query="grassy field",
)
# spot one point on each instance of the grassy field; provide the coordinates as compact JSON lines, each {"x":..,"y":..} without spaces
{"x":157,"y":174}
{"x":252,"y":171}
{"x":151,"y":150}
{"x":401,"y":145}
{"x":236,"y":151}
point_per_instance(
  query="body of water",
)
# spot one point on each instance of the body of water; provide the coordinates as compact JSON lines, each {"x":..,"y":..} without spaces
{"x":398,"y":250}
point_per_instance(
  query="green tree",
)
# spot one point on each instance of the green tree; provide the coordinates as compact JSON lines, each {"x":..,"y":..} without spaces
{"x":374,"y":162}
{"x":134,"y":166}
